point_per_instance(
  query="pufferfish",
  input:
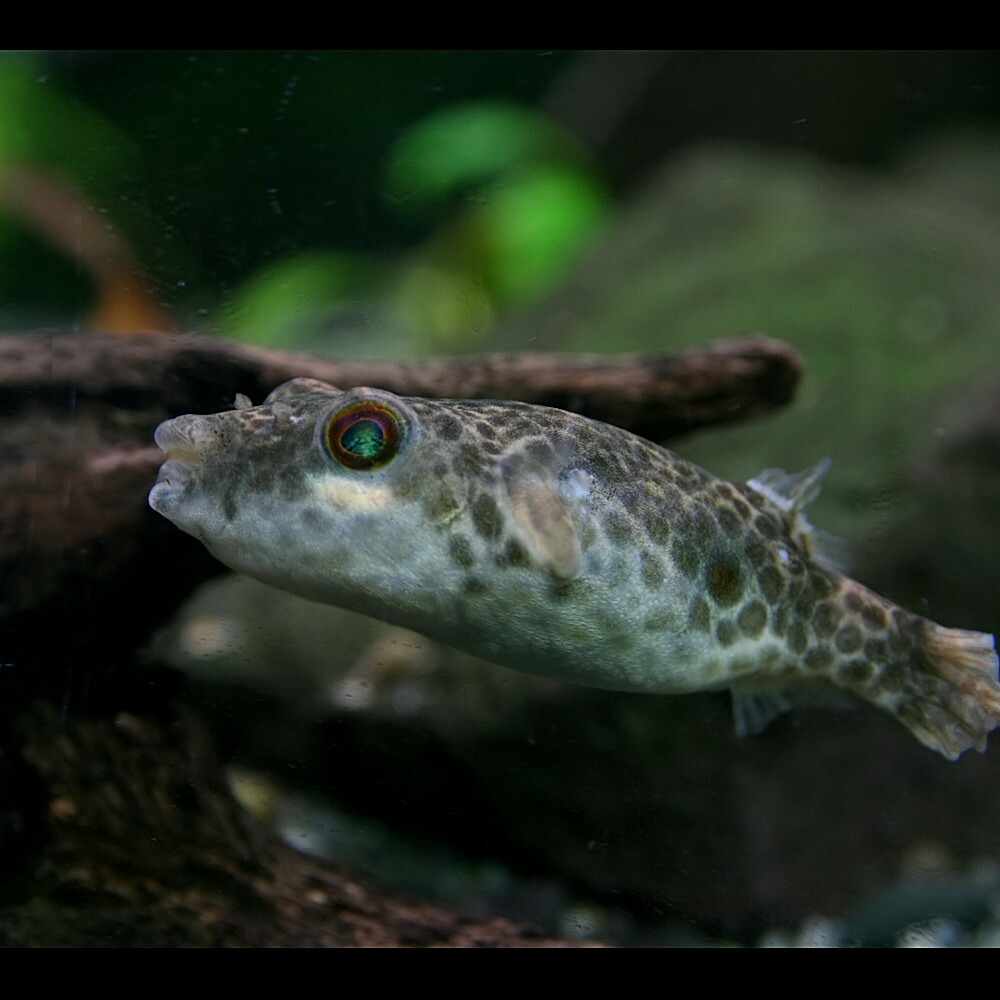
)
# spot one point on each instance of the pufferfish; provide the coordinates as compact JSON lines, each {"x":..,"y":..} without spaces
{"x":561,"y":546}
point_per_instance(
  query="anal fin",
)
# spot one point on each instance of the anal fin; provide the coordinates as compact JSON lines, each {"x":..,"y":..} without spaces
{"x":755,"y":708}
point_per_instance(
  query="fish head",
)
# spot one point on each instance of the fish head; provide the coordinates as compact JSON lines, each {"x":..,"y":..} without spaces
{"x":371,"y":501}
{"x":297,"y":488}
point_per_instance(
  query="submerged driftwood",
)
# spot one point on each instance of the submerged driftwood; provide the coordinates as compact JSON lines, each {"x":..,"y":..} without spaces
{"x":115,"y":823}
{"x":659,"y":395}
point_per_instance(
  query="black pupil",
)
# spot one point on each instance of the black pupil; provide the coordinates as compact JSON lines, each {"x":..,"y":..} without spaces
{"x":364,"y":438}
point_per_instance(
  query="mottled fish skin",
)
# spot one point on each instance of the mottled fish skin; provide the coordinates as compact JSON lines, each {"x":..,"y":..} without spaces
{"x":558,"y":545}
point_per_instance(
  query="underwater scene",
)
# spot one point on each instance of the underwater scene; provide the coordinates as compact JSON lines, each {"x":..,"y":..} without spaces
{"x":499,"y":499}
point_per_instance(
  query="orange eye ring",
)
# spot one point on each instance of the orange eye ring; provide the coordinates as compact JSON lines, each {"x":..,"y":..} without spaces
{"x":363,"y":435}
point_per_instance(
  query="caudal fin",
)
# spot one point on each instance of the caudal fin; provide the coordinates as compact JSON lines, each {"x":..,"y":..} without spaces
{"x":958,"y":702}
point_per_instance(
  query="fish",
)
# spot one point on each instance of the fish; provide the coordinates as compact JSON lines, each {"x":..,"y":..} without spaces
{"x":558,"y":545}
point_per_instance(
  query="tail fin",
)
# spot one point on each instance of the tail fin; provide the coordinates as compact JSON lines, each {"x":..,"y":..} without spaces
{"x":960,"y":698}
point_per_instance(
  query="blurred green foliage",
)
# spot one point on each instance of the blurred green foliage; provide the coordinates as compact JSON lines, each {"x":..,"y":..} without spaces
{"x":42,"y":125}
{"x":514,"y":198}
{"x":281,"y":301}
{"x":468,"y":147}
{"x":281,"y":197}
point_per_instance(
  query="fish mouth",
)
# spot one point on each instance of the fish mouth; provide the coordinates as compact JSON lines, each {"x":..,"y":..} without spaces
{"x":181,"y":459}
{"x":178,"y":466}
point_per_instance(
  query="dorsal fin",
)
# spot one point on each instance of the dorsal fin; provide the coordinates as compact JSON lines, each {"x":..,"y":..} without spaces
{"x":791,"y":493}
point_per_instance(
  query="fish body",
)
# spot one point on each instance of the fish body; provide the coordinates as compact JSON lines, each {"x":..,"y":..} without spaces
{"x":558,"y":545}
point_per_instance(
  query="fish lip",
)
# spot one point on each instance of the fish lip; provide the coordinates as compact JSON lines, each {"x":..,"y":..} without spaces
{"x":169,"y":436}
{"x":174,"y":473}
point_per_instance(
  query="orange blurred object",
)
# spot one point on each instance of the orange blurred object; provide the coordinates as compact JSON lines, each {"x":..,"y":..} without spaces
{"x":58,"y":213}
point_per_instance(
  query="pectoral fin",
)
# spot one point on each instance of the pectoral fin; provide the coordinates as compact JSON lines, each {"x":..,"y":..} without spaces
{"x":546,"y":528}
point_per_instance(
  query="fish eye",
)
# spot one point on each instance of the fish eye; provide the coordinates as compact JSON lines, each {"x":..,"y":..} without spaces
{"x":363,"y":435}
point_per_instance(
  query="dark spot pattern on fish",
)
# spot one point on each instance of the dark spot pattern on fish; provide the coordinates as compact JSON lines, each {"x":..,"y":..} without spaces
{"x":460,"y":550}
{"x":724,"y":581}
